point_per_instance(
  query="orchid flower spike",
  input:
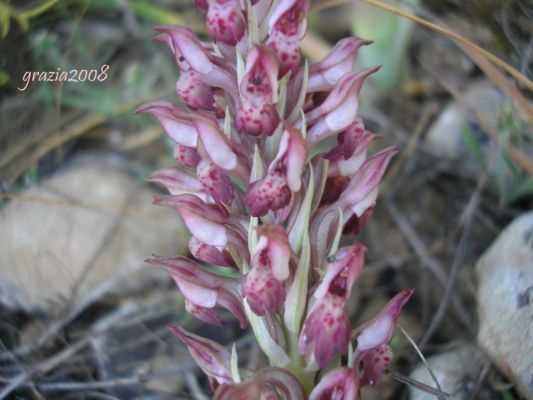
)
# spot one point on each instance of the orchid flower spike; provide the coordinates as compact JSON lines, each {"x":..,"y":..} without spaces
{"x":273,"y":168}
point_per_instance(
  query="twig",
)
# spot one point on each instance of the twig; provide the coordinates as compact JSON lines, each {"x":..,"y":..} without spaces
{"x":194,"y":387}
{"x":425,"y":118}
{"x":417,"y":349}
{"x":77,"y":128}
{"x":427,"y":260}
{"x":419,"y":385}
{"x":454,"y":270}
{"x":43,"y":367}
{"x":55,"y":360}
{"x":447,"y":32}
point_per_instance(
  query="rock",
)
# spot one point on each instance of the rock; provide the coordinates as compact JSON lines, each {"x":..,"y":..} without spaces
{"x":445,"y":136}
{"x":457,"y":372}
{"x":505,"y":302}
{"x":82,"y":232}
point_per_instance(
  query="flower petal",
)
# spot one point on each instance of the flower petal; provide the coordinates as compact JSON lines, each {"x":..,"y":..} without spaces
{"x":215,"y":143}
{"x":225,"y":21}
{"x":375,"y":362}
{"x":339,"y":61}
{"x":338,"y":384}
{"x":175,"y":122}
{"x":210,"y":356}
{"x":380,"y":329}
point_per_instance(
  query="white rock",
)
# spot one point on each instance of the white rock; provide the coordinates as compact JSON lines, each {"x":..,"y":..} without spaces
{"x":81,"y":232}
{"x":445,"y":136}
{"x":457,"y":372}
{"x":505,"y":302}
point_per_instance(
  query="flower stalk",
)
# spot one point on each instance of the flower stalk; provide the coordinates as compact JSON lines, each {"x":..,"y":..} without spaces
{"x":267,"y":195}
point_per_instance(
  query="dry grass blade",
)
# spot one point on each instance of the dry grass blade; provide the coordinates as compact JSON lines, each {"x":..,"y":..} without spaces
{"x":426,"y":259}
{"x":446,"y":32}
{"x":424,"y":362}
{"x":419,"y":385}
{"x":460,"y":251}
{"x":314,"y":47}
{"x":76,"y":129}
{"x":427,"y":114}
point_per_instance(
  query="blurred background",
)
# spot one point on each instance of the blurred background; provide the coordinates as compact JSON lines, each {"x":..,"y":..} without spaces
{"x":82,"y":316}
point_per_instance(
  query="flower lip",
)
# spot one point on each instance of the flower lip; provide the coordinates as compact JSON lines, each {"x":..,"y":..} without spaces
{"x":343,"y":270}
{"x":290,"y":16}
{"x":261,"y":74}
{"x":185,"y":44}
{"x":225,"y":22}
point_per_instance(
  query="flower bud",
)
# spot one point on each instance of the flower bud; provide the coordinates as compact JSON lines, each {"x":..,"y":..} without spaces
{"x":204,"y":290}
{"x":380,"y":329}
{"x":225,"y":21}
{"x":339,"y":110}
{"x":325,"y":74}
{"x":179,"y":180}
{"x":287,"y":26}
{"x":373,"y":353}
{"x":362,"y":190}
{"x":210,"y":356}
{"x":175,"y":122}
{"x":206,"y":222}
{"x":210,"y":254}
{"x":194,"y":92}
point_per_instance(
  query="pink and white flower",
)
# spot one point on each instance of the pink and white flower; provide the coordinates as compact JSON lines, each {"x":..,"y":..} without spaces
{"x":326,"y":327}
{"x":263,"y":287}
{"x":204,"y":290}
{"x":283,"y":178}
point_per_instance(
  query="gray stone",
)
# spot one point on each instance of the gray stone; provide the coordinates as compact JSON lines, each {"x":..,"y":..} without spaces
{"x":457,"y":372}
{"x":80,"y":233}
{"x":445,"y":136}
{"x":505,"y":302}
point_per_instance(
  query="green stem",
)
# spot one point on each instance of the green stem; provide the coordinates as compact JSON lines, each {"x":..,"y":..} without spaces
{"x":296,"y":367}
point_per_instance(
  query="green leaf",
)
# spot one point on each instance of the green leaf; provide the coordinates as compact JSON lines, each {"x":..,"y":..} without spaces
{"x":4,"y":19}
{"x":297,"y":296}
{"x":4,"y":78}
{"x":475,"y":150}
{"x":521,"y":188}
{"x":301,"y":225}
{"x":235,"y":365}
{"x":273,"y":351}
